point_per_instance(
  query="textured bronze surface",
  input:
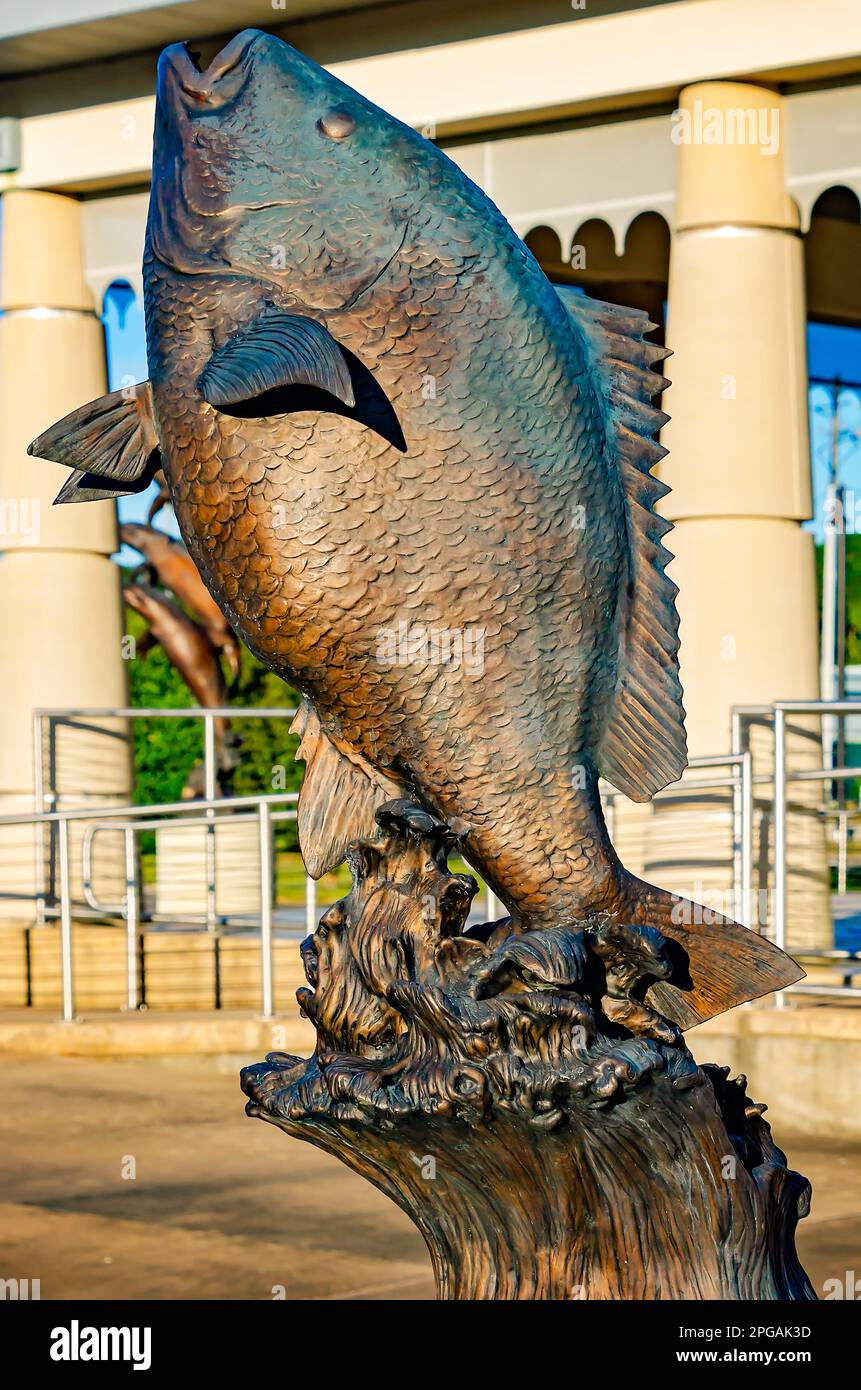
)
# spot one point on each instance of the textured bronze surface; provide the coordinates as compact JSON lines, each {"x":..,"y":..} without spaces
{"x":416,"y":479}
{"x":415,"y":476}
{"x":547,"y":1131}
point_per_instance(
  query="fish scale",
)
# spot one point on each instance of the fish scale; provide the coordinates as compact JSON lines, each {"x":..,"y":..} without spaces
{"x":377,"y":420}
{"x":329,"y":455}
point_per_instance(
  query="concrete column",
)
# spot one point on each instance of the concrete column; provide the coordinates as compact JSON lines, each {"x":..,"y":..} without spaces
{"x":61,"y":617}
{"x":740,"y":472}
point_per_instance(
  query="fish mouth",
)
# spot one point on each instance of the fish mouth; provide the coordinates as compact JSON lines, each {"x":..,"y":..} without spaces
{"x":206,"y":89}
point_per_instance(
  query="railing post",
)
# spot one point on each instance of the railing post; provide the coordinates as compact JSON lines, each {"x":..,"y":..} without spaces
{"x":749,"y":919}
{"x":266,"y":973}
{"x":737,"y":837}
{"x":66,"y":962}
{"x":310,"y":905}
{"x":210,"y":788}
{"x":132,"y":919}
{"x":491,"y":906}
{"x":842,"y":849}
{"x":39,"y":805}
{"x":780,"y":837}
{"x":52,"y":803}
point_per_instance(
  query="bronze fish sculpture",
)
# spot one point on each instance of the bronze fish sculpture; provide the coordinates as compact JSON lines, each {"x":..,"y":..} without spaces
{"x":415,"y":476}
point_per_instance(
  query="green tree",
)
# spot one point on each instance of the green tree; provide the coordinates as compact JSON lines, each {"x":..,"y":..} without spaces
{"x":267,"y":753}
{"x":853,"y":595}
{"x":853,"y":600}
{"x":166,"y":750}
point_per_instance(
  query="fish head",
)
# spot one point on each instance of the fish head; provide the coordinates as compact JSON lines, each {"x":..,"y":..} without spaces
{"x":267,"y":166}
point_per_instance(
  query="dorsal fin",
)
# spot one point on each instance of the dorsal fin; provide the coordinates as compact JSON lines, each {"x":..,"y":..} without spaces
{"x":643,"y":745}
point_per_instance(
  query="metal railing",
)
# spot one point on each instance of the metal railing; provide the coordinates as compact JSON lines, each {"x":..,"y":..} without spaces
{"x":134,"y":820}
{"x":774,"y":717}
{"x":269,"y":809}
{"x":45,"y":796}
{"x":782,"y":777}
{"x":739,"y":780}
{"x":130,"y":908}
{"x":131,"y":821}
{"x":81,"y":719}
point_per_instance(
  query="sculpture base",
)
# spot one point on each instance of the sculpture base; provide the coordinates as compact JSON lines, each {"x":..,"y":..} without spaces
{"x":544,"y":1127}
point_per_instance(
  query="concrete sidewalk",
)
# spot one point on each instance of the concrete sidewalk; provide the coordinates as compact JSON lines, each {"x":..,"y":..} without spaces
{"x":224,"y":1207}
{"x":803,"y":1060}
{"x":220,"y":1206}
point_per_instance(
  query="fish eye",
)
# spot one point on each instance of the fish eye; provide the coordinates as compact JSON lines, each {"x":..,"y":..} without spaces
{"x":337,"y":125}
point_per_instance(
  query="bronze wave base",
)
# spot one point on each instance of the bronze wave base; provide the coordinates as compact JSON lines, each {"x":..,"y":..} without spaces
{"x":542,"y":1124}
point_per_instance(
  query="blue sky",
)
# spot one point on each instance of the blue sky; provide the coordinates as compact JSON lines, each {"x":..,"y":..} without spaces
{"x":126,"y":353}
{"x":832,"y":351}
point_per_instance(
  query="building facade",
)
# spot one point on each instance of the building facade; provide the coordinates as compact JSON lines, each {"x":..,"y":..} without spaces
{"x":700,"y":159}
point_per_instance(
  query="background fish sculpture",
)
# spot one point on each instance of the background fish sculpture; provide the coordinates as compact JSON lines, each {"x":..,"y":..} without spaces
{"x":415,"y":476}
{"x":191,"y":651}
{"x":172,"y":566}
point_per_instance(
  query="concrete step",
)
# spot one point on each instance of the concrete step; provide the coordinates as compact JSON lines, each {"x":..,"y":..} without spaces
{"x":38,"y":1032}
{"x":803,"y":1060}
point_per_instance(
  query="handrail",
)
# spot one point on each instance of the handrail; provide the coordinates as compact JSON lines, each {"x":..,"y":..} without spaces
{"x":185,"y":712}
{"x":782,"y":777}
{"x":269,"y":808}
{"x":72,"y":717}
{"x":174,"y":807}
{"x":133,"y":824}
{"x":134,"y":828}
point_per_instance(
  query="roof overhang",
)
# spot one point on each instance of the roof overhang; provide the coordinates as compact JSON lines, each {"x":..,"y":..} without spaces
{"x":634,"y":58}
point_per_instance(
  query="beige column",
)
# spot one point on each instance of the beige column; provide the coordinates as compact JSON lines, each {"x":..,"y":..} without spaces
{"x":60,"y":601}
{"x":740,"y":472}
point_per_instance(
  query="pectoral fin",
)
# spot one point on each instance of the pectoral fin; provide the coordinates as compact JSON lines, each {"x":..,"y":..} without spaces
{"x":93,"y":487}
{"x":277,"y":350}
{"x":339,"y":795}
{"x":111,"y":443}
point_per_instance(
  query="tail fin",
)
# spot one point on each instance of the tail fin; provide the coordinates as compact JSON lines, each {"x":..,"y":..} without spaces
{"x":719,"y":964}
